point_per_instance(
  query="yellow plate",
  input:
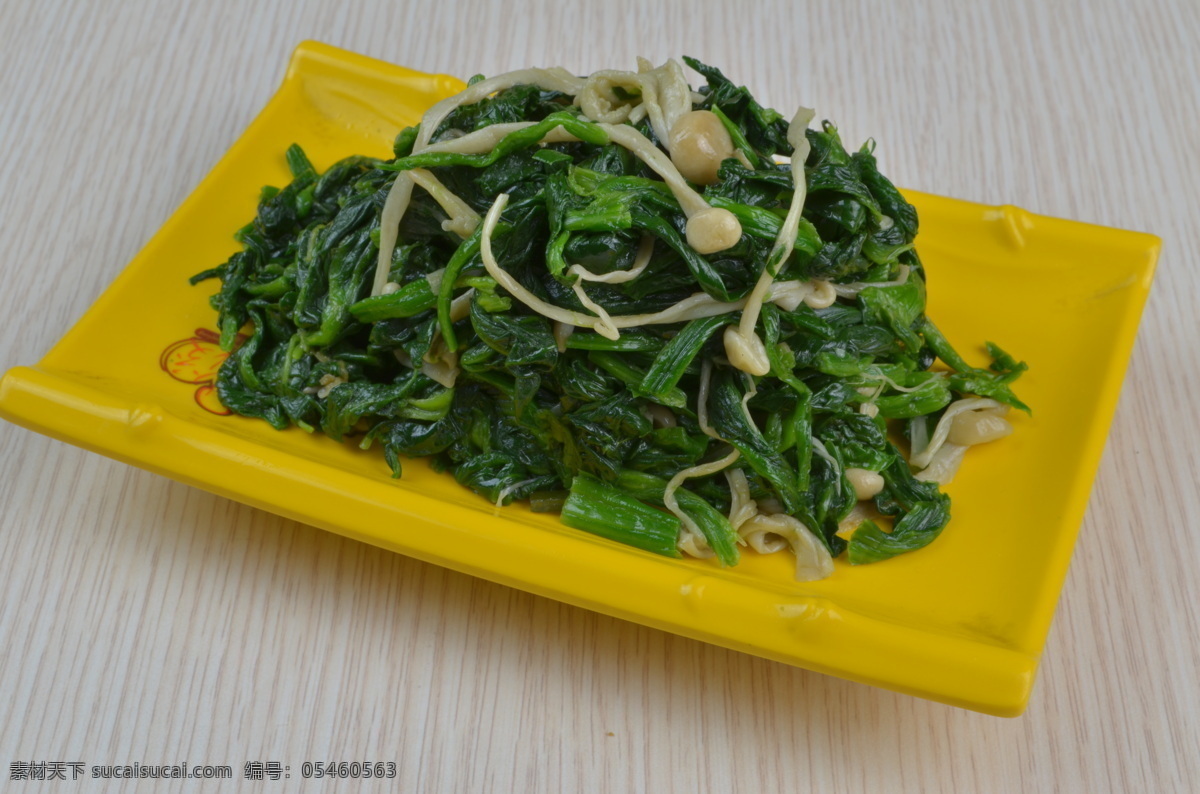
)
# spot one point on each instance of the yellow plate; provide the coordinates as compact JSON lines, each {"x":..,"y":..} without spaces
{"x":962,"y":621}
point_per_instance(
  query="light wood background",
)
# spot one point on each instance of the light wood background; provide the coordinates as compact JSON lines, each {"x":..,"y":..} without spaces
{"x":145,"y":621}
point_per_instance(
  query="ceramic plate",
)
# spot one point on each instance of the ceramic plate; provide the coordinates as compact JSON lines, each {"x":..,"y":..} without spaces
{"x":962,"y":621}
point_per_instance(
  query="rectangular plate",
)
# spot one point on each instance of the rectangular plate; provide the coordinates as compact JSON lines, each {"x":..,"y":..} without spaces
{"x":962,"y":621}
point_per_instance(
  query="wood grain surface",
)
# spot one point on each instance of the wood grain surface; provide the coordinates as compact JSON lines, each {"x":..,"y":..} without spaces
{"x":146,"y":621}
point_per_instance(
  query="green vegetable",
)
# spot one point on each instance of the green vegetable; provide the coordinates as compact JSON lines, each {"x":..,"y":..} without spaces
{"x":718,"y":532}
{"x":921,"y":513}
{"x":611,"y":513}
{"x":452,"y":362}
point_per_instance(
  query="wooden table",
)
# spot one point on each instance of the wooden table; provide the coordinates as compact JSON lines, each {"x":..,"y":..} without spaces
{"x":143,"y":620}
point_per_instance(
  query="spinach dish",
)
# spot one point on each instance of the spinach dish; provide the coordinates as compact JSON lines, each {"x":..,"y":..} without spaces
{"x":675,"y":317}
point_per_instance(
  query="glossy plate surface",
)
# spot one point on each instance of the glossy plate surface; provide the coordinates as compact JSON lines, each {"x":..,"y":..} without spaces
{"x":962,"y":621}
